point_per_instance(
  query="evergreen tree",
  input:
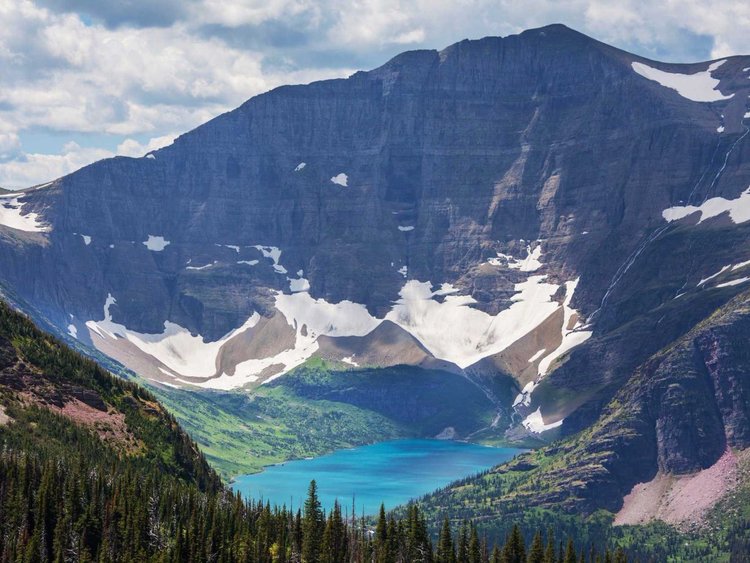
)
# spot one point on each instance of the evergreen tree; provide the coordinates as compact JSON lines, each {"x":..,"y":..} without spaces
{"x":475,"y":548}
{"x":312,"y":526}
{"x":570,"y":552}
{"x":514,"y":550}
{"x":445,"y":551}
{"x":549,"y":551}
{"x":536,"y":552}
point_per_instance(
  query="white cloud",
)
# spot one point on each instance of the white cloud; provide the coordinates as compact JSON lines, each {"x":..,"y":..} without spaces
{"x":131,"y":147}
{"x":33,"y":169}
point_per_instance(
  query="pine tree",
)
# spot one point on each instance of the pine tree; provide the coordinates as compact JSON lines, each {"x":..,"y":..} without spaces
{"x":475,"y":548}
{"x":570,"y":553}
{"x":514,"y":550}
{"x":445,"y":552}
{"x":549,"y":551}
{"x":312,"y":526}
{"x":536,"y":552}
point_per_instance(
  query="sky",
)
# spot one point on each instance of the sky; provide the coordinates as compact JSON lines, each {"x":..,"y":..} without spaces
{"x":82,"y":80}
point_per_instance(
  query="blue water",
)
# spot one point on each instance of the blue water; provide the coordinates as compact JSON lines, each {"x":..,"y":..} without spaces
{"x":388,"y":472}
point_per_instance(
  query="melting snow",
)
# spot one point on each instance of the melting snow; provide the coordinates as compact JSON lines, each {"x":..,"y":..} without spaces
{"x":206,"y":266}
{"x":309,"y":318}
{"x":738,"y":209}
{"x":175,"y":347}
{"x":274,"y":254}
{"x":570,"y":337}
{"x":341,"y":179}
{"x":458,"y":333}
{"x":712,"y":276}
{"x":300,"y":284}
{"x":535,"y":423}
{"x":698,"y":87}
{"x":733,"y":282}
{"x":11,"y":215}
{"x":538,"y":355}
{"x":300,"y":166}
{"x":406,"y":229}
{"x":529,"y":264}
{"x":524,"y":397}
{"x":156,"y":243}
{"x":451,"y":329}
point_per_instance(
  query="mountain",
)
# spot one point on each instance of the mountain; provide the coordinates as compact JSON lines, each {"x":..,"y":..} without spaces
{"x":541,"y":215}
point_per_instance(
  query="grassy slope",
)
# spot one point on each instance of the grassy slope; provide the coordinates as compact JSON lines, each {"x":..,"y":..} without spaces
{"x":39,"y":375}
{"x":316,"y":409}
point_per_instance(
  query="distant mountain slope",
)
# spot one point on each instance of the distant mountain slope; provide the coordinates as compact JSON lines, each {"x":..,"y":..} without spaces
{"x":671,"y":445}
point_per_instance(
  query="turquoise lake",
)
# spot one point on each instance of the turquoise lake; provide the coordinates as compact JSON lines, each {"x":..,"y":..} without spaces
{"x":388,"y":472}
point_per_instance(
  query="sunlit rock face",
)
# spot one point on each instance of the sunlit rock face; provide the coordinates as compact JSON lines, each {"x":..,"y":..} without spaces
{"x":505,"y":206}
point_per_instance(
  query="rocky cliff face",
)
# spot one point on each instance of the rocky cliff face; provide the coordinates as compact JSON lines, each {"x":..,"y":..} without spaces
{"x":542,"y":206}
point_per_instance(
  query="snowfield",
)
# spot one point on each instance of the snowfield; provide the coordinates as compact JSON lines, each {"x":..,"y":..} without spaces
{"x":156,"y":243}
{"x":11,"y":215}
{"x":738,"y":209}
{"x":445,"y":323}
{"x":698,"y":87}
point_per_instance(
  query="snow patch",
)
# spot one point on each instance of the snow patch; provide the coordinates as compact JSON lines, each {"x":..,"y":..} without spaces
{"x":86,"y":239}
{"x":738,"y":209}
{"x":698,"y":87}
{"x":341,"y":179}
{"x":175,"y":347}
{"x":455,"y":332}
{"x":524,"y":397}
{"x":274,"y":254}
{"x":720,"y":129}
{"x":11,"y":215}
{"x":535,"y":423}
{"x":349,"y":360}
{"x":406,"y":229}
{"x":403,"y":270}
{"x":73,"y":331}
{"x":733,"y":282}
{"x":531,"y":263}
{"x":156,"y":243}
{"x":300,"y":166}
{"x":299,"y":284}
{"x":712,"y":276}
{"x":309,"y":318}
{"x":538,"y":355}
{"x":248,"y":262}
{"x":570,"y":337}
{"x":150,"y":156}
{"x":204,"y":267}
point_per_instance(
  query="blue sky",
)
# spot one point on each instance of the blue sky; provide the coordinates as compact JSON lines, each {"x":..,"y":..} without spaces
{"x":86,"y":79}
